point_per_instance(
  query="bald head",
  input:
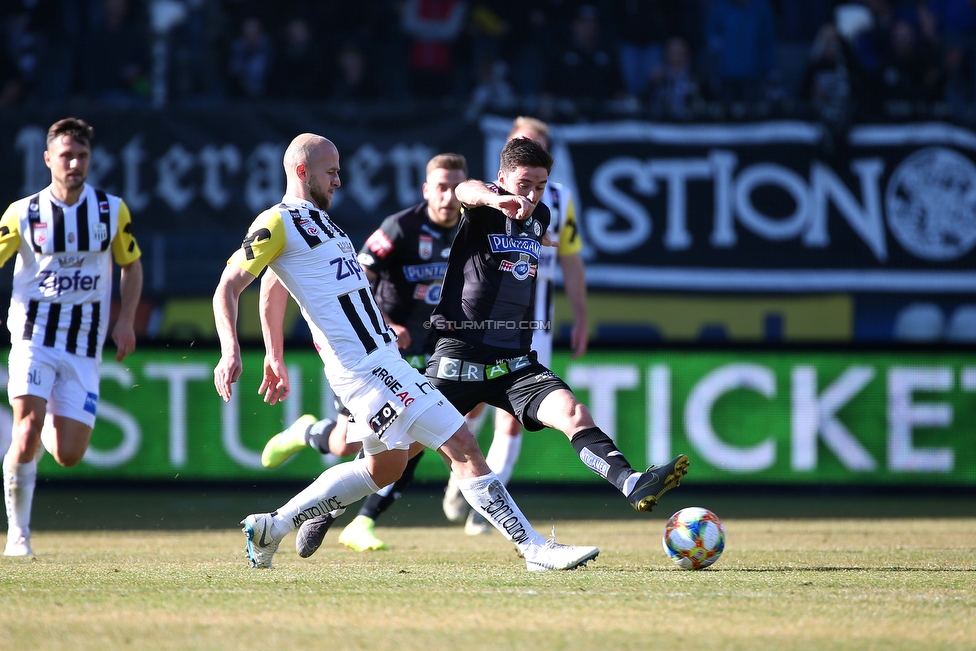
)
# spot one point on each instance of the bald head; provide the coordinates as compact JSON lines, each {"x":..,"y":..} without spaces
{"x":312,"y":169}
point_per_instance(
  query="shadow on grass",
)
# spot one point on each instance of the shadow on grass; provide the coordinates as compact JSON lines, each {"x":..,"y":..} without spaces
{"x":70,"y":506}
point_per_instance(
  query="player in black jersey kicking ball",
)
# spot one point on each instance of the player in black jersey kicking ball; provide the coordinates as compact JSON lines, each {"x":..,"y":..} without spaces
{"x":484,"y":318}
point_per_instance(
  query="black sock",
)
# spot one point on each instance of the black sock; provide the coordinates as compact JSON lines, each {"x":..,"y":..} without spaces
{"x":317,"y":435}
{"x":600,"y":455}
{"x":376,"y":504}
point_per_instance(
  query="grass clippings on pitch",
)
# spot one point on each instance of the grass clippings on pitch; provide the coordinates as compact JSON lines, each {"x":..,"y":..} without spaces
{"x":857,"y":579}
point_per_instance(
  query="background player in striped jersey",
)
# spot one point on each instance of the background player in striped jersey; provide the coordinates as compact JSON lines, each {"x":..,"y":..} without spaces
{"x":564,"y":234}
{"x":67,"y":236}
{"x":485,"y":319}
{"x":311,"y":258}
{"x":405,"y":260}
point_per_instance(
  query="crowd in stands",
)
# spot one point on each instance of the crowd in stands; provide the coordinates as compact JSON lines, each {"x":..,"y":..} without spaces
{"x":560,"y":59}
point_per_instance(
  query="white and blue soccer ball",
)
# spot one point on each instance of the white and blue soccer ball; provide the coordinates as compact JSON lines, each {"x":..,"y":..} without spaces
{"x":694,"y":538}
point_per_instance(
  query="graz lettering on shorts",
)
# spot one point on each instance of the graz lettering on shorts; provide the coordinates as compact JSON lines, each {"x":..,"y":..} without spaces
{"x":381,"y":420}
{"x":506,"y":244}
{"x":449,"y":368}
{"x":416,"y":273}
{"x":393,"y":385}
{"x":321,"y":507}
{"x":60,"y":283}
{"x":501,"y":512}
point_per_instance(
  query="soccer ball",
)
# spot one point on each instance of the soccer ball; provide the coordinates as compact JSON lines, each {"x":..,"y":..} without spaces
{"x":694,"y":538}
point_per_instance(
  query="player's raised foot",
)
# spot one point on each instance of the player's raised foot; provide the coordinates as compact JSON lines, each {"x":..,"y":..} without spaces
{"x":312,"y":533}
{"x":18,"y":545}
{"x":656,"y":481}
{"x":261,"y":546}
{"x":359,"y":537}
{"x":283,"y":445}
{"x":556,"y":556}
{"x":476,"y":524}
{"x":455,"y":506}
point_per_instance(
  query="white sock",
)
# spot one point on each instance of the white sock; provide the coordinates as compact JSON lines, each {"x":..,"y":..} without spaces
{"x":18,"y":493}
{"x":489,"y":497}
{"x":336,"y":488}
{"x":503,"y":454}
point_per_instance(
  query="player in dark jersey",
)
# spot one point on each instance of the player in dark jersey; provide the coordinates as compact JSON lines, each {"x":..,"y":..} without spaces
{"x":484,"y":316}
{"x":405,"y":260}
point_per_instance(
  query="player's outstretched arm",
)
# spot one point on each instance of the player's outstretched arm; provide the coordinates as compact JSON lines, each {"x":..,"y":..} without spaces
{"x":226,"y":304}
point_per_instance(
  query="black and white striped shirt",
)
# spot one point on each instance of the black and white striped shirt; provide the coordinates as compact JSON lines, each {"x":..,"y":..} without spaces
{"x":63,"y":276}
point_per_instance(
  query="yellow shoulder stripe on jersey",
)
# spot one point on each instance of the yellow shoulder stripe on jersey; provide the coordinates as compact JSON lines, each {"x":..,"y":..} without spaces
{"x":570,"y":241}
{"x":125,"y":249}
{"x":264,"y":242}
{"x":9,"y":234}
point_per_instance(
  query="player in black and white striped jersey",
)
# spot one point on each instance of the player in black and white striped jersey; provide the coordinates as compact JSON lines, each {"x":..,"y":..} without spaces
{"x":310,"y":257}
{"x":66,"y":236}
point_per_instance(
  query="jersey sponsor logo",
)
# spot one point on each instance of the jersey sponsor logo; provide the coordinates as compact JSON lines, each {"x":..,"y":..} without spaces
{"x":430,"y":294}
{"x":507,"y":244}
{"x":521,"y":269}
{"x":345,"y":246}
{"x":393,"y":384}
{"x":40,"y":233}
{"x":103,"y":206}
{"x":379,"y":244}
{"x":416,"y":273}
{"x":346,"y":267}
{"x":381,"y":420}
{"x":426,"y":247}
{"x":100,"y":232}
{"x":53,"y":283}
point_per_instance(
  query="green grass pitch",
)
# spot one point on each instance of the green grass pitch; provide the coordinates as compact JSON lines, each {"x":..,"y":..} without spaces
{"x":164,"y":569}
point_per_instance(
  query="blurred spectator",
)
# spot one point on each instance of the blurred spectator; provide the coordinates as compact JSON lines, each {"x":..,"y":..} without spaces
{"x":299,"y":69}
{"x":675,"y":91}
{"x":741,"y":43}
{"x":585,"y":71}
{"x":799,"y":24}
{"x":533,"y":33}
{"x":493,"y":91}
{"x":432,"y":28}
{"x":251,"y":58}
{"x":831,"y":77}
{"x":873,"y":44}
{"x":910,"y":71}
{"x":354,"y":80}
{"x":11,"y":82}
{"x":642,"y":27}
{"x":117,"y":63}
{"x":197,"y":54}
{"x":952,"y":24}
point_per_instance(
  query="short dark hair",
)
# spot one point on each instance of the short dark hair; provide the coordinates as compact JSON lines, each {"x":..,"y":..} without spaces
{"x":447,"y":161}
{"x":522,"y":152}
{"x":75,"y":128}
